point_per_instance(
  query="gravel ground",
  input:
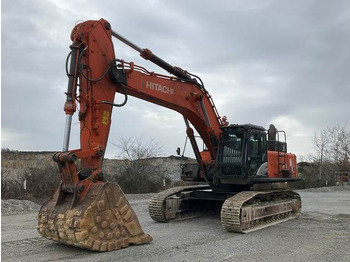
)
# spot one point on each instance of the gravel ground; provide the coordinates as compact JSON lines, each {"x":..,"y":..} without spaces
{"x":16,"y":206}
{"x":321,"y":233}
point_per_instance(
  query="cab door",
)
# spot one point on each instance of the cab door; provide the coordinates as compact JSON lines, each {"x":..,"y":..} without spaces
{"x":256,"y":153}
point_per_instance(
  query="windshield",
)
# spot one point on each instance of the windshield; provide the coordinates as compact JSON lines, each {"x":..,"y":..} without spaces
{"x":232,"y":151}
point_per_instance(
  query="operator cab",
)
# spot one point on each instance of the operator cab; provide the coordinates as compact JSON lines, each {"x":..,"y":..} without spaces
{"x":242,"y":151}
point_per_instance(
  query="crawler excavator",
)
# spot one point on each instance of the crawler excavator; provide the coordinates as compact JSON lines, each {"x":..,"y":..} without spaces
{"x":242,"y":166}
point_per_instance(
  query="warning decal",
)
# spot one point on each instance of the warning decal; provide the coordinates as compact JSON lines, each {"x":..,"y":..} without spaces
{"x":105,"y":117}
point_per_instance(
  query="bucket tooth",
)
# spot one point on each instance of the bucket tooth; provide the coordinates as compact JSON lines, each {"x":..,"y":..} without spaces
{"x":102,"y":221}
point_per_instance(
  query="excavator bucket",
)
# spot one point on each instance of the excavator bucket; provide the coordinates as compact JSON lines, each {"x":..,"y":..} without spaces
{"x":102,"y":221}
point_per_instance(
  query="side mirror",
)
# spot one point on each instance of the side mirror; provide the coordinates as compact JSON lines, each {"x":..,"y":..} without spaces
{"x":178,"y":151}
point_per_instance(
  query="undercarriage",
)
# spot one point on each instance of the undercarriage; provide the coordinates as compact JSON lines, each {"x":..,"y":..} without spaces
{"x":241,"y":212}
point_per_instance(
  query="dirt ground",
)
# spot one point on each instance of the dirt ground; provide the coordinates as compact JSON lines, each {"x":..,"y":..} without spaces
{"x":321,"y":233}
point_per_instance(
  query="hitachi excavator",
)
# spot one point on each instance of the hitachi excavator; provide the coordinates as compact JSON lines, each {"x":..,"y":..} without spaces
{"x":242,"y":167}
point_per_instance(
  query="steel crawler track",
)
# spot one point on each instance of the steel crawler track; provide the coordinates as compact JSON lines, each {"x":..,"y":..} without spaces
{"x":244,"y":212}
{"x":160,"y":211}
{"x":249,"y":211}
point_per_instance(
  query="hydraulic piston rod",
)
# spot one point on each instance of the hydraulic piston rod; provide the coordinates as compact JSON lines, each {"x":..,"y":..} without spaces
{"x":69,"y":106}
{"x":148,"y":55}
{"x":67,"y":129}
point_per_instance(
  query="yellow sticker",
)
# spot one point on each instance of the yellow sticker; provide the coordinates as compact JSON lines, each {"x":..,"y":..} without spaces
{"x":105,"y":117}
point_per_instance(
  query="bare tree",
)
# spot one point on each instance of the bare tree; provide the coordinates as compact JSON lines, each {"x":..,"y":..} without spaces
{"x":340,"y":147}
{"x":340,"y":152}
{"x":136,"y":148}
{"x":332,"y":146}
{"x":139,"y":174}
{"x":322,"y":142}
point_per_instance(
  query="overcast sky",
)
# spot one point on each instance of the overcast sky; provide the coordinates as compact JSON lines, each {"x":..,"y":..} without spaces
{"x":281,"y":62}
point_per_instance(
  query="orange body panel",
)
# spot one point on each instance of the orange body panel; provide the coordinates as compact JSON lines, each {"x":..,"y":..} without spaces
{"x":278,"y":161}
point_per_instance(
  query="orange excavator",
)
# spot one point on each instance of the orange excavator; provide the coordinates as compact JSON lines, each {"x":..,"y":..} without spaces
{"x":244,"y":167}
